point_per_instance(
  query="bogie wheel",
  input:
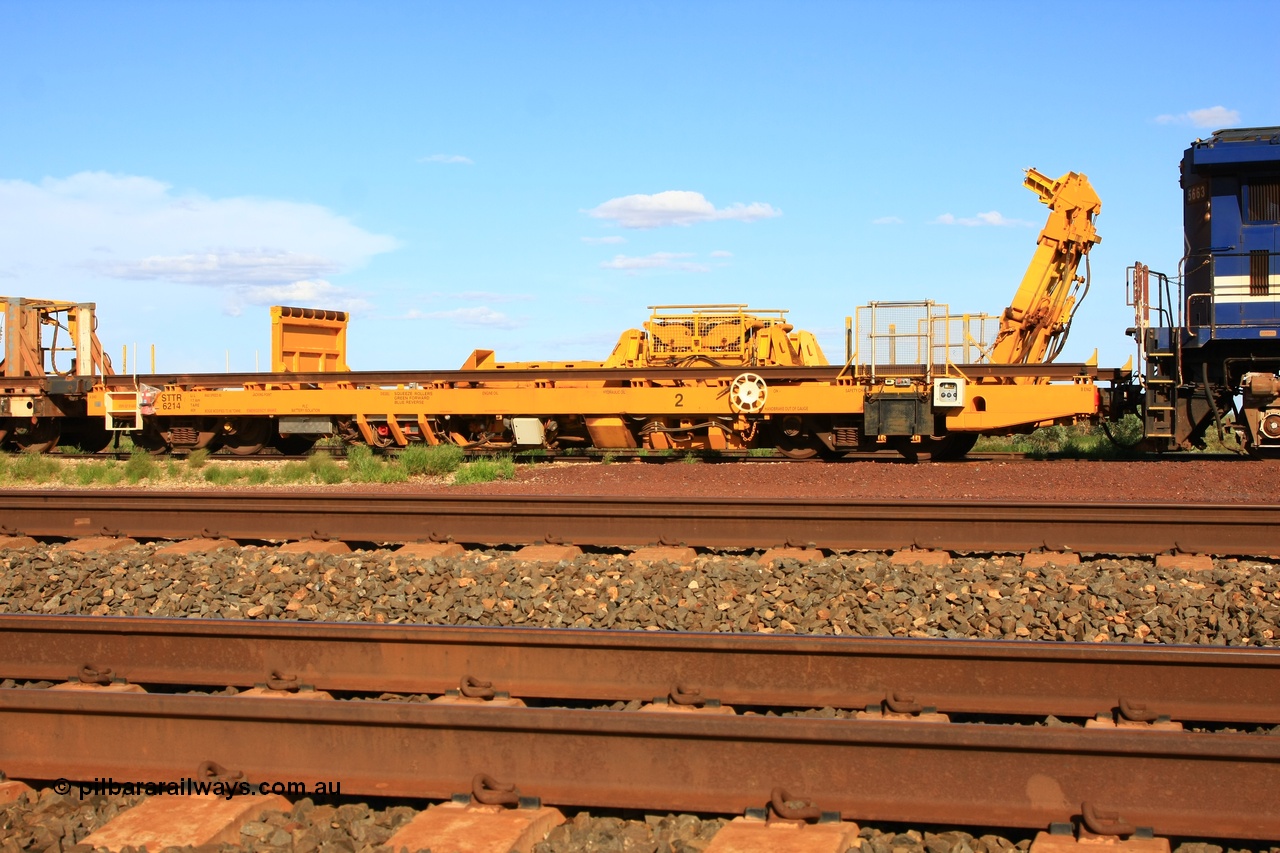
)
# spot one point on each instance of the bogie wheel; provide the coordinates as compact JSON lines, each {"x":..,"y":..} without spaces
{"x":246,"y":436}
{"x":909,"y":450}
{"x":948,"y":448}
{"x":90,"y":439}
{"x":792,"y":441}
{"x":150,"y":439}
{"x":39,"y":437}
{"x":294,"y":445}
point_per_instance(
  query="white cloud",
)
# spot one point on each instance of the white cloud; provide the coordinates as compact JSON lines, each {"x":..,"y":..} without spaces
{"x":481,"y":315}
{"x":993,"y":217}
{"x":887,"y":220}
{"x":1209,"y":117}
{"x":599,"y":241}
{"x":721,"y":253}
{"x":488,"y":296}
{"x":220,"y":267}
{"x":447,"y":158}
{"x":656,"y":261}
{"x":316,"y":293}
{"x":676,"y":207}
{"x":76,"y":231}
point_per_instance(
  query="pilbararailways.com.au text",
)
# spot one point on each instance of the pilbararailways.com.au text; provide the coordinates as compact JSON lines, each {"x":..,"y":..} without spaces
{"x":188,"y":786}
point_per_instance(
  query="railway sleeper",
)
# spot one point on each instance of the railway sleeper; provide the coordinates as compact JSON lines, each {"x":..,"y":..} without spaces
{"x":165,"y":821}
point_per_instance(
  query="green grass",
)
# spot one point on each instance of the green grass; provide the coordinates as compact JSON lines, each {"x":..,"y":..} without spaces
{"x":323,"y":468}
{"x":293,"y":472}
{"x":81,"y":475}
{"x":364,"y":467}
{"x":435,"y":460}
{"x":32,"y":468}
{"x":760,"y":451}
{"x":140,"y":466}
{"x":485,"y":471}
{"x":224,"y":475}
{"x":1090,"y":442}
{"x":690,"y":458}
{"x":105,"y":473}
{"x":608,"y":457}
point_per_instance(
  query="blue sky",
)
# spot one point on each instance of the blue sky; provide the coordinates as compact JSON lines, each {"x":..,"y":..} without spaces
{"x":528,"y":178}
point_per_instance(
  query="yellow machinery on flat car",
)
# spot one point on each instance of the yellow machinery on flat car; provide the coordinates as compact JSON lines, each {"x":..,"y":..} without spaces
{"x":915,"y":379}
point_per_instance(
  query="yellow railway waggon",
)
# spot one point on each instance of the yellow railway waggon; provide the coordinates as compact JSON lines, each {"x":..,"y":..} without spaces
{"x":914,"y":378}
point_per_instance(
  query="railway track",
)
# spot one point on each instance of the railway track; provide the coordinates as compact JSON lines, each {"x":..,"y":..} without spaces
{"x":379,"y":517}
{"x":881,"y":766}
{"x":590,"y":456}
{"x":542,"y":457}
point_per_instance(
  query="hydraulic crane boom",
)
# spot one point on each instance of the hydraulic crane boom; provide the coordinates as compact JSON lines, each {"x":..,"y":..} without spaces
{"x":1034,"y":326}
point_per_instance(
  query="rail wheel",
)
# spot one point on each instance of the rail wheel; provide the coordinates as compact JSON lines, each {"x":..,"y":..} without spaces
{"x":946,"y":448}
{"x":90,"y":439}
{"x":246,"y":436}
{"x":150,"y":439}
{"x":798,"y":452}
{"x":39,"y":437}
{"x":792,"y":441}
{"x":293,"y":445}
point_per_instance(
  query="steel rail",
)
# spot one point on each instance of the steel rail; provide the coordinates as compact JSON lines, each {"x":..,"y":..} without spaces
{"x":381,"y":517}
{"x":1218,"y":785}
{"x":987,"y":677}
{"x":825,"y":373}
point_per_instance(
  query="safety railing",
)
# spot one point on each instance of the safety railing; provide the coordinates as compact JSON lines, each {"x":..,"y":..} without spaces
{"x":916,"y":338}
{"x":715,"y":332}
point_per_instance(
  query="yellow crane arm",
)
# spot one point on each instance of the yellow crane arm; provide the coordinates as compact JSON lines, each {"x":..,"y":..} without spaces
{"x":1034,"y":326}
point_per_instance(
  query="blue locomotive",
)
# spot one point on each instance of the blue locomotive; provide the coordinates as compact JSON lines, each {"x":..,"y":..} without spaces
{"x":1209,"y":341}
